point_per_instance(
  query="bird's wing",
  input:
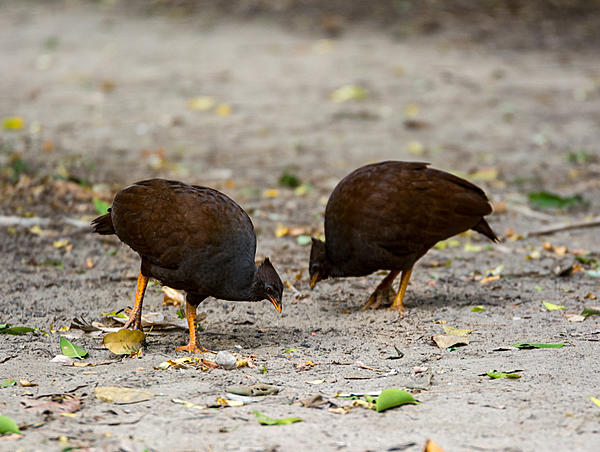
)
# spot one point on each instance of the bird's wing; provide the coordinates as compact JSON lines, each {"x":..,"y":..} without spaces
{"x":162,"y":220}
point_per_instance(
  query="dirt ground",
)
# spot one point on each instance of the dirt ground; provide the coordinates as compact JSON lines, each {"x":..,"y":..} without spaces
{"x":110,"y":97}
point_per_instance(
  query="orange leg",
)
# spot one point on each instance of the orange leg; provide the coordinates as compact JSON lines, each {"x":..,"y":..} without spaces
{"x":380,"y":292}
{"x":192,"y":346}
{"x":135,"y":318}
{"x":401,"y":291}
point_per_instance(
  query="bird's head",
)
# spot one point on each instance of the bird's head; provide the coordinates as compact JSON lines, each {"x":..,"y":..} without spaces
{"x":319,"y":267}
{"x":270,"y":285}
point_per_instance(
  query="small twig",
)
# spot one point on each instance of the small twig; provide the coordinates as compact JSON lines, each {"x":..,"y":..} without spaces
{"x":565,"y":227}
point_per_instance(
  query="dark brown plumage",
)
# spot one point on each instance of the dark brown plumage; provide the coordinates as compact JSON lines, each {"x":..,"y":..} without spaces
{"x":191,"y":238}
{"x":386,"y":216}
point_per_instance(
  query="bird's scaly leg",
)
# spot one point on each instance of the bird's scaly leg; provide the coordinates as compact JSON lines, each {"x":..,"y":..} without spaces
{"x":380,"y":292}
{"x":192,"y":346}
{"x":397,"y":305}
{"x":135,"y":318}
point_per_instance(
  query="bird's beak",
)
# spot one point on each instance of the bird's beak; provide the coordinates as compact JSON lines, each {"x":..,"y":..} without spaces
{"x":275,"y":303}
{"x":313,"y":281}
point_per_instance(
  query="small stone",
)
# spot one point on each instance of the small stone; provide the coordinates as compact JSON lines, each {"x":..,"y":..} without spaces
{"x":226,"y":360}
{"x":63,"y":359}
{"x":237,"y":348}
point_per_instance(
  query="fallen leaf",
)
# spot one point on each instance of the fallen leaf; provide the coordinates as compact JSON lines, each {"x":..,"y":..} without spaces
{"x":486,"y":174}
{"x":470,"y":248}
{"x":590,"y":311}
{"x":530,"y":345}
{"x":281,"y":230}
{"x":290,"y":180}
{"x":172,"y":296}
{"x":551,"y":306}
{"x":456,"y":331}
{"x":266,"y":420}
{"x":121,"y":396}
{"x":101,"y":206}
{"x":596,"y":401}
{"x":63,"y":359}
{"x":228,"y":402}
{"x":189,"y":404}
{"x":390,"y":398}
{"x":8,"y":382}
{"x":53,"y":403}
{"x":431,"y":446}
{"x":305,"y":365}
{"x":270,"y":193}
{"x":7,"y":425}
{"x":15,"y":330}
{"x":303,"y":240}
{"x":201,"y":103}
{"x":315,"y":382}
{"x":26,"y":383}
{"x":259,"y":389}
{"x":71,"y":350}
{"x":13,"y":123}
{"x":477,"y":309}
{"x":223,"y":110}
{"x":546,"y":200}
{"x":493,"y":374}
{"x":444,"y":341}
{"x":124,"y":341}
{"x":290,"y":350}
{"x":574,"y":317}
{"x":349,"y":92}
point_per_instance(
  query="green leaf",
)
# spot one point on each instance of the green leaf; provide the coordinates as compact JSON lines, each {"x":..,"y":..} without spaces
{"x":552,"y":306}
{"x":7,"y":425}
{"x":71,"y":350}
{"x":390,"y":398}
{"x":595,"y":400}
{"x":8,"y":383}
{"x":290,"y":350}
{"x":586,"y":259}
{"x":590,"y":311}
{"x":180,"y":314}
{"x":101,"y":206}
{"x":289,"y":180}
{"x":13,"y":122}
{"x":477,"y":309}
{"x":15,"y":330}
{"x":547,"y":200}
{"x":120,"y":315}
{"x":494,"y":374}
{"x":303,"y":240}
{"x":531,"y":345}
{"x":266,"y":420}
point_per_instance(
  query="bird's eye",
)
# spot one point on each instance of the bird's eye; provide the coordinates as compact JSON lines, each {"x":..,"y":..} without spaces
{"x":269,"y":290}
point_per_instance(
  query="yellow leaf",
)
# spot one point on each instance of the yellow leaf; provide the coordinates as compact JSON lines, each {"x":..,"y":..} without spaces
{"x":486,"y":174}
{"x":415,"y":147}
{"x":223,"y":110}
{"x":349,"y":92}
{"x":13,"y":123}
{"x":60,"y":243}
{"x":411,"y":110}
{"x":315,"y":382}
{"x":281,"y":230}
{"x":323,"y":46}
{"x":552,"y":306}
{"x":271,"y":193}
{"x":201,"y":103}
{"x":595,"y":400}
{"x":124,"y":341}
{"x":112,"y":394}
{"x":431,"y":446}
{"x":26,"y":383}
{"x":456,"y":331}
{"x":472,"y":248}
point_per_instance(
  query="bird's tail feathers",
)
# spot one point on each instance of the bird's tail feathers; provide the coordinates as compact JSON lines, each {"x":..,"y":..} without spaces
{"x":484,"y":228}
{"x":103,"y":224}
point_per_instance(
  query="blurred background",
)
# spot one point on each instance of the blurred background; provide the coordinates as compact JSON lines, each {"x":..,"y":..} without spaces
{"x":275,"y":101}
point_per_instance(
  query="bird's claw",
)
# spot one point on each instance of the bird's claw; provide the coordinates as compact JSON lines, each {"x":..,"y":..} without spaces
{"x":192,"y":348}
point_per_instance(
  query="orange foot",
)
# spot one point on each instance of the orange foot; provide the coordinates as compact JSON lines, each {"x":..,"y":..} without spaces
{"x":192,"y":348}
{"x":402,"y":311}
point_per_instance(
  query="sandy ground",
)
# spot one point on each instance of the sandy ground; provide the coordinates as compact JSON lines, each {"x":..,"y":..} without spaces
{"x":105,"y":96}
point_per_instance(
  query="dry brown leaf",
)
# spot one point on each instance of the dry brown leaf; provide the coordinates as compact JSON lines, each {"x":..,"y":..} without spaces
{"x":121,"y":396}
{"x":26,"y":383}
{"x":124,"y":341}
{"x":444,"y":341}
{"x":53,"y":403}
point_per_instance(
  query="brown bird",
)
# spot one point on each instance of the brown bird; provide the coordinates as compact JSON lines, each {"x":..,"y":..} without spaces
{"x":386,"y":216}
{"x":191,"y":238}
